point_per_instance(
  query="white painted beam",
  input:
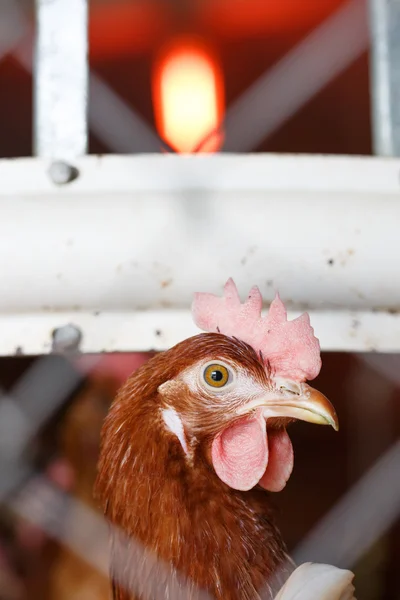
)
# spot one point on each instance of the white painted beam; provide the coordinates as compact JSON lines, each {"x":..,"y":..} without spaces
{"x":120,"y":250}
{"x":137,"y":331}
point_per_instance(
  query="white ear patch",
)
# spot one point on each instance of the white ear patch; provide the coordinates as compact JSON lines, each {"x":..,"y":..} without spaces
{"x":174,"y":424}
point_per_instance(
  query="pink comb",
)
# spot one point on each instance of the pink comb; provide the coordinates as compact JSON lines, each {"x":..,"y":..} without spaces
{"x":290,"y":347}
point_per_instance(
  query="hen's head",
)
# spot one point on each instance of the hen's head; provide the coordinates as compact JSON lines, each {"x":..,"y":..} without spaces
{"x":202,"y":420}
{"x":241,"y":387}
{"x":226,"y":396}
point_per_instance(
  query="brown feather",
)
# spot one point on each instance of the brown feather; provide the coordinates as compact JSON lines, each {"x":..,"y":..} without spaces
{"x":222,"y":540}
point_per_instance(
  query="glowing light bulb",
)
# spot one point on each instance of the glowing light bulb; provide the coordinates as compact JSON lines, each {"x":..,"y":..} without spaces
{"x":188,"y":96}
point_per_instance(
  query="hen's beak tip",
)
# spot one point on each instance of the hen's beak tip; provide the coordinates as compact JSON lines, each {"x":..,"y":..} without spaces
{"x":335,"y":425}
{"x":322,"y":408}
{"x":333,"y":422}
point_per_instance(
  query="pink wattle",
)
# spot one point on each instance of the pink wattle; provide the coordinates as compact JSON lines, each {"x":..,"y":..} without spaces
{"x":280,"y":462}
{"x":243,"y":455}
{"x":240,"y":453}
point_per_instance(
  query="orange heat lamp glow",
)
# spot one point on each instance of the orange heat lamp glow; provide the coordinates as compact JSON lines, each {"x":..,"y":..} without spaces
{"x":188,"y":96}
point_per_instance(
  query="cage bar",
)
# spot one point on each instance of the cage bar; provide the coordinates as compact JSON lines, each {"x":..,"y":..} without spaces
{"x":385,"y":76}
{"x":61,"y":79}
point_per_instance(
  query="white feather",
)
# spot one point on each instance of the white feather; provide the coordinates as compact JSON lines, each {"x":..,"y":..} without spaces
{"x":312,"y":581}
{"x":174,"y":424}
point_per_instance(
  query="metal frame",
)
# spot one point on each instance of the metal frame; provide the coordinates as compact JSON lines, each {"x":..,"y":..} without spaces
{"x":61,"y":78}
{"x":385,"y":75}
{"x":99,"y":242}
{"x":108,"y":251}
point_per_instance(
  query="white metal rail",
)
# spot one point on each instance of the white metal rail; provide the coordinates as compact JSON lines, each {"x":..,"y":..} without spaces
{"x":61,"y":79}
{"x":119,"y":251}
{"x":116,"y":245}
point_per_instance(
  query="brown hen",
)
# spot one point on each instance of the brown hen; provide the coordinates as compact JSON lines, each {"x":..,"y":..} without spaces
{"x":191,"y":443}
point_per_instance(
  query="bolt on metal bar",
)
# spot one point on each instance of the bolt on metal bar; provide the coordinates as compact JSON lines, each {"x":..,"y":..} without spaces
{"x":61,"y":79}
{"x":385,"y":76}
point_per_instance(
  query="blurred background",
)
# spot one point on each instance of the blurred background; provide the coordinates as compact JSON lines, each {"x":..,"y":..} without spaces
{"x":150,"y":55}
{"x":147,"y":58}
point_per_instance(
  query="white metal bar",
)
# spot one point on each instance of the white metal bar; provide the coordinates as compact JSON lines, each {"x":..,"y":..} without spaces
{"x":242,"y":173}
{"x":141,"y":330}
{"x":61,"y":79}
{"x":133,"y":247}
{"x":385,"y":74}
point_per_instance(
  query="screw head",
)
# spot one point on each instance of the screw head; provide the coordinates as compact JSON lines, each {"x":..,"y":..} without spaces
{"x":61,"y":172}
{"x":66,"y":338}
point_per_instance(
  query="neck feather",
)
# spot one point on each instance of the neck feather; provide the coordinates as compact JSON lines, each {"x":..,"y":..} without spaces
{"x":220,"y":539}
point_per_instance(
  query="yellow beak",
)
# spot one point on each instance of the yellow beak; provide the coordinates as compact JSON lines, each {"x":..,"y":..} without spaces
{"x":297,"y":401}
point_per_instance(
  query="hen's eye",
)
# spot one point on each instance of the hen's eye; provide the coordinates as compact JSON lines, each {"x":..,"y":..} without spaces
{"x":216,"y":375}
